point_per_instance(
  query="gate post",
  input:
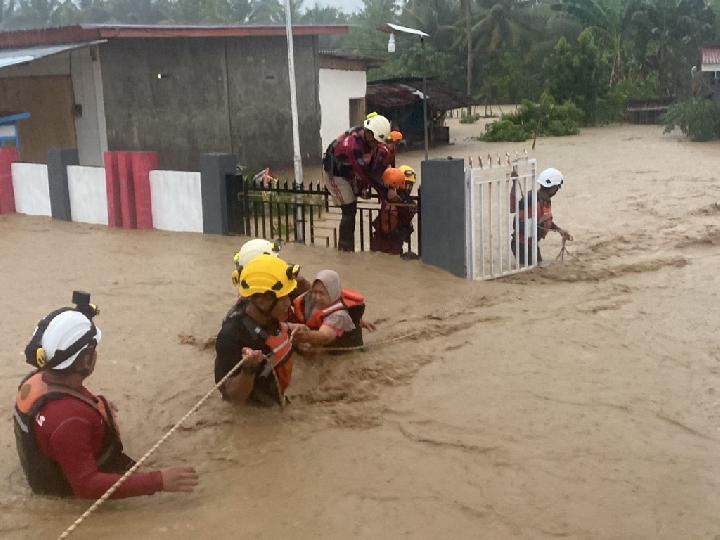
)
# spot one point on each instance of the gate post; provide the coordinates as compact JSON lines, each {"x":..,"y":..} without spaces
{"x":57,"y":163}
{"x":214,"y":169}
{"x":443,"y":214}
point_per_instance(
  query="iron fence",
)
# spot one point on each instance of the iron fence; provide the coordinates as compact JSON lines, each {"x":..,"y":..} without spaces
{"x":307,"y":214}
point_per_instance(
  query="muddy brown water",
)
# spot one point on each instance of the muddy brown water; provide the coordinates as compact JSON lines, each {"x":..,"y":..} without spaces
{"x":580,"y":400}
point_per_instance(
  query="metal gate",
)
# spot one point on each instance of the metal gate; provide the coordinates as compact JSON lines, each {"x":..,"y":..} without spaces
{"x":494,"y":197}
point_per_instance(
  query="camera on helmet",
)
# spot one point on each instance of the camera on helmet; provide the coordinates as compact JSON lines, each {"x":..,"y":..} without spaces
{"x":81,"y":299}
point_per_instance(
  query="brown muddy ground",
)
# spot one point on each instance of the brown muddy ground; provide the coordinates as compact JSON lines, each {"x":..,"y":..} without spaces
{"x":581,"y":400}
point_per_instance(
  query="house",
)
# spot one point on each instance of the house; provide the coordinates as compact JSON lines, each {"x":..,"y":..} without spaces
{"x":710,"y":70}
{"x":178,"y":90}
{"x":343,"y":84}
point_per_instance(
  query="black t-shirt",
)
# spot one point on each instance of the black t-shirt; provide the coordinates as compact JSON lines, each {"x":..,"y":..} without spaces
{"x":239,"y":331}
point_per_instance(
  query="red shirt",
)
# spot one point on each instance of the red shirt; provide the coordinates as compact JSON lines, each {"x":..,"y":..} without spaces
{"x":356,"y":159}
{"x":70,"y":433}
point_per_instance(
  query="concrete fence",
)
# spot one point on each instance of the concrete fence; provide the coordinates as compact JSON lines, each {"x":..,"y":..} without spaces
{"x":176,"y":201}
{"x":30,"y":188}
{"x":88,"y":196}
{"x":130,"y":192}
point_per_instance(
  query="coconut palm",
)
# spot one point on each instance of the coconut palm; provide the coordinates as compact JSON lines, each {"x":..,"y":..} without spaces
{"x":666,"y":35}
{"x":35,"y":14}
{"x":7,"y":7}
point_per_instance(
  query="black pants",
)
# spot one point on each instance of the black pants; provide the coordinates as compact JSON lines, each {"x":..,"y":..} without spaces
{"x":346,"y":242}
{"x":521,"y":256}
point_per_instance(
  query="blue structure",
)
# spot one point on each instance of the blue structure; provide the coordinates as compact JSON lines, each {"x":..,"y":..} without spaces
{"x":9,"y":131}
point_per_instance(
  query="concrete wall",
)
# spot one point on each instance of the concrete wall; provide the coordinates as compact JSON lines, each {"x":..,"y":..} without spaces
{"x":90,"y":116}
{"x":176,"y":201}
{"x":213,"y":95}
{"x":259,"y":97}
{"x":32,"y":194}
{"x":88,"y":196}
{"x":336,"y":89}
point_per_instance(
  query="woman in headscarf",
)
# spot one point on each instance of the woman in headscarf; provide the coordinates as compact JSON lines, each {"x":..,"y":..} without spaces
{"x":332,"y":316}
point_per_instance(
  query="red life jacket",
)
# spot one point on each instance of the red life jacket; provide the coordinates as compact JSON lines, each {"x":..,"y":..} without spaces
{"x":351,"y":301}
{"x":282,"y":360}
{"x":45,"y":476}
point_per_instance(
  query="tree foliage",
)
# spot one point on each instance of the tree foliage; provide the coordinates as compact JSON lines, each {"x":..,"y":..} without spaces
{"x":595,"y":53}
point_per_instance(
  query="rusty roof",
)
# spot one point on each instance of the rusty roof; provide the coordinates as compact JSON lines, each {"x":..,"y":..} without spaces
{"x":711,"y":58}
{"x":394,"y":93}
{"x":90,"y":32}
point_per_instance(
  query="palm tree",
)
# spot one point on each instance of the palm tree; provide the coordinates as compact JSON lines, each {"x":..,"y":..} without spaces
{"x":666,"y":36}
{"x":7,"y":7}
{"x":35,"y":14}
{"x":467,"y":16}
{"x":503,"y":24}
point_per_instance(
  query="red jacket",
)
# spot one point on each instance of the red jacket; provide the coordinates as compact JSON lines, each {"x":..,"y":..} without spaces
{"x":71,"y":433}
{"x":354,"y":158}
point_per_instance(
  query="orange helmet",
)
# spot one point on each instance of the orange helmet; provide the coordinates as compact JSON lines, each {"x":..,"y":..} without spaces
{"x":394,"y":178}
{"x":395,"y":136}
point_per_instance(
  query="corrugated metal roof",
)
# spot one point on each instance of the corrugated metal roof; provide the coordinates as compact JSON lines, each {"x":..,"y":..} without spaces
{"x":711,"y":59}
{"x":401,"y":92}
{"x":88,"y":32}
{"x":13,"y":57}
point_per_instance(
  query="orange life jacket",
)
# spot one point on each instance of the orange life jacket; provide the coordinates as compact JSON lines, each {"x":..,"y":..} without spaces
{"x":349,"y":301}
{"x":44,"y":475}
{"x":282,"y":360}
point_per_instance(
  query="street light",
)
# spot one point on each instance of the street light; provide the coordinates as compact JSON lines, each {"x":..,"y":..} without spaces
{"x":396,"y":28}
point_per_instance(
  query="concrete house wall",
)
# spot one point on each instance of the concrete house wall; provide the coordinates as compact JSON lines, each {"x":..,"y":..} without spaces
{"x":184,"y":97}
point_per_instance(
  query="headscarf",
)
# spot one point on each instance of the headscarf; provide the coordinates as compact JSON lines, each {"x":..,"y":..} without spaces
{"x":331,"y":280}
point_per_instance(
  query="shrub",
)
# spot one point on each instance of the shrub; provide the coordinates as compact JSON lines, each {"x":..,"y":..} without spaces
{"x":698,"y":119}
{"x":546,"y":117}
{"x":466,"y":118}
{"x":506,"y":130}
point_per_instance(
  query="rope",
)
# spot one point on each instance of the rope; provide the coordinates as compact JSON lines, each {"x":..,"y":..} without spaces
{"x":120,"y":481}
{"x":368,"y":345}
{"x":563,"y":251}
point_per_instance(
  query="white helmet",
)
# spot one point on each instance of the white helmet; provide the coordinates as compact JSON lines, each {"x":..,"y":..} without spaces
{"x":550,"y":177}
{"x":379,"y":125}
{"x":250,"y":250}
{"x":63,"y":332}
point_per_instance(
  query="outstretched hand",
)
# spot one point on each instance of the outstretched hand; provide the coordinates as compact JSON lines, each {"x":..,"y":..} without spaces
{"x":183,"y":479}
{"x":370,"y":327}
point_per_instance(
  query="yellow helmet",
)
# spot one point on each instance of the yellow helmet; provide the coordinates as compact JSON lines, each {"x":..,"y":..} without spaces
{"x":409,"y":173}
{"x":266,"y":273}
{"x":250,"y":250}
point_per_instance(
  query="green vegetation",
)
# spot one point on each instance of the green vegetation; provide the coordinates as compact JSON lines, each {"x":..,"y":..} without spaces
{"x":698,"y":119}
{"x":545,"y":118}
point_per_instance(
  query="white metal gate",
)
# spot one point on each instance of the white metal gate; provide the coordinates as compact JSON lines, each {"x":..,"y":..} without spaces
{"x":495,"y":196}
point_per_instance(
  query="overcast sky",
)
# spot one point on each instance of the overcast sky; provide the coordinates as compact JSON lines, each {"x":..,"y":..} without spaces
{"x":347,"y":6}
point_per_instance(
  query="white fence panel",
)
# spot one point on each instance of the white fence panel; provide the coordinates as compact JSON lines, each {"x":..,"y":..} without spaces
{"x":88,"y":194}
{"x":176,"y":201}
{"x":30,"y":184}
{"x":496,"y":196}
